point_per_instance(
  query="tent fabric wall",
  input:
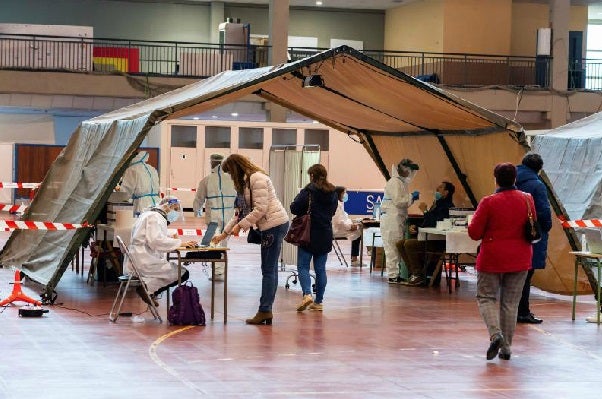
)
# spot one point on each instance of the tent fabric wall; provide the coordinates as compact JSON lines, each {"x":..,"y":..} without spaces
{"x":392,"y":114}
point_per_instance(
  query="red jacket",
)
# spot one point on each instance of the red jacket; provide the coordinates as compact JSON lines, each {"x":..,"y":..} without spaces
{"x":499,"y":222}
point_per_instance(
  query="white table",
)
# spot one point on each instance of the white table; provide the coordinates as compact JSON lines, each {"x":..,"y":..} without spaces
{"x":457,"y":242}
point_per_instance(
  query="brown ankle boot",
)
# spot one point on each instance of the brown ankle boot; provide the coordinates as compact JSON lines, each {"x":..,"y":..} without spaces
{"x":261,"y":318}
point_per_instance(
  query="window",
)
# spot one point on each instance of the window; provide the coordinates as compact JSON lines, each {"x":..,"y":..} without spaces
{"x":284,"y":136}
{"x":217,"y":137}
{"x":317,"y":136}
{"x":250,"y":137}
{"x":183,"y":136}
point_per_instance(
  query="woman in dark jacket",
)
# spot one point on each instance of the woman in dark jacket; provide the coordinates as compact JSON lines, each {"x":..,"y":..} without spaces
{"x":321,"y":199}
{"x":527,"y":180}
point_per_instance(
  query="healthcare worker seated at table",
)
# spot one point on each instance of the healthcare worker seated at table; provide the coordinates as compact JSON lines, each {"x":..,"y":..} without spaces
{"x":149,"y":245}
{"x":344,"y":227}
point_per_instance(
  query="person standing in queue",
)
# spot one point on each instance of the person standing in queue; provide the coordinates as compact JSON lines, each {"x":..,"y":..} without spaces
{"x":320,"y":199}
{"x":394,"y":213}
{"x":504,"y":257}
{"x":270,"y":217}
{"x":527,"y":180}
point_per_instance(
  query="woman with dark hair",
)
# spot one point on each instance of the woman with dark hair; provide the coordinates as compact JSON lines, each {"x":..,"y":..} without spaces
{"x":504,"y":257}
{"x":320,"y":200}
{"x":270,"y":217}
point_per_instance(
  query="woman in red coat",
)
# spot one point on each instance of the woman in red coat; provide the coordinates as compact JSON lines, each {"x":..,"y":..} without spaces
{"x":504,"y":257}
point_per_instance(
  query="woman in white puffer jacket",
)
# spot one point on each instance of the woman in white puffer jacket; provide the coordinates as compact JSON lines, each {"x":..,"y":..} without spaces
{"x":267,"y":213}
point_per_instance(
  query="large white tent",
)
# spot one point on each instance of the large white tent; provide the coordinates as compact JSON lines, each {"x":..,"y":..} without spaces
{"x":391,"y":113}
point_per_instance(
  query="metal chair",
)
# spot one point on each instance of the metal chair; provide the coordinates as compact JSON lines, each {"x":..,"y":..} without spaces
{"x":132,"y":278}
{"x":338,"y":252}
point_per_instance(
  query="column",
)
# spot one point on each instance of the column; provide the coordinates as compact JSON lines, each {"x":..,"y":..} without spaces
{"x":279,"y":18}
{"x":559,"y":15}
{"x":216,"y":18}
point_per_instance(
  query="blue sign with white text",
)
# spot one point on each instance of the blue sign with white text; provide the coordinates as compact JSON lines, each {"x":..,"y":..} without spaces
{"x":362,"y":202}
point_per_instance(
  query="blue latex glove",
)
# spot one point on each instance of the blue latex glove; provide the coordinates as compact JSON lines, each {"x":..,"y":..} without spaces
{"x":415,"y":195}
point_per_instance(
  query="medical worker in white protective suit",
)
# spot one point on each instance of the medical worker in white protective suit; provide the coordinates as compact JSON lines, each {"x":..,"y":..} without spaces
{"x":216,"y":191}
{"x":149,"y":245}
{"x":141,"y":181}
{"x":394,"y":213}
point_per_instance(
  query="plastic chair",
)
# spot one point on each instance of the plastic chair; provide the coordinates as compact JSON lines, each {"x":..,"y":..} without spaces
{"x":125,"y":281}
{"x":338,"y":252}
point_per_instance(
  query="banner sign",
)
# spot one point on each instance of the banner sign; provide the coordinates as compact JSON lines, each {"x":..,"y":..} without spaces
{"x":362,"y":202}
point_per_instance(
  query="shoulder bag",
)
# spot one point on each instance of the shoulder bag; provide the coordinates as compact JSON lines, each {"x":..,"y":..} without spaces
{"x":254,"y":235}
{"x":532,"y":228}
{"x":299,"y":232}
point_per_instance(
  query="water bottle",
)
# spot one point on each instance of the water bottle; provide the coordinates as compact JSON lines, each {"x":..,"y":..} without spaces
{"x":376,"y":211}
{"x":584,"y":243}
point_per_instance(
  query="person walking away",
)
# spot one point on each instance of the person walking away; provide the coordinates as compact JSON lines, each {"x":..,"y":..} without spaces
{"x":527,"y":180}
{"x":344,"y":227}
{"x":504,"y":257}
{"x":141,"y":182}
{"x":217,"y":194}
{"x":149,"y":244}
{"x":394,"y":213}
{"x":271,"y":219}
{"x":319,"y":198}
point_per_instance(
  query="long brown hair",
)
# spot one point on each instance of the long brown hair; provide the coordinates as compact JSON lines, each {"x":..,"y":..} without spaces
{"x":240,"y":168}
{"x":317,"y":175}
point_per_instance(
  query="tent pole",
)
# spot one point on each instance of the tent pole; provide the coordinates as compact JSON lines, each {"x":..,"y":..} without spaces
{"x":461,"y":176}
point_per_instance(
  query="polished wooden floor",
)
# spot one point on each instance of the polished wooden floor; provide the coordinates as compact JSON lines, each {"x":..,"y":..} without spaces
{"x":373,"y":340}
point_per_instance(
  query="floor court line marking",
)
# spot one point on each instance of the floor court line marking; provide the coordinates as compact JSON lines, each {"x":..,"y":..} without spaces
{"x":152,"y":351}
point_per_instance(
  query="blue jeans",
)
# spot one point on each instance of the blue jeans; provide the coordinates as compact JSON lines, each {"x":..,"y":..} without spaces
{"x":303,"y":262}
{"x":271,"y":245}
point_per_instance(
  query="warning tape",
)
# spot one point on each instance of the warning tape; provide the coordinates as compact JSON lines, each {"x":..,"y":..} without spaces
{"x":32,"y":225}
{"x":18,"y":185}
{"x":180,"y":189}
{"x":12,"y":208}
{"x":185,"y":232}
{"x":582,"y":223}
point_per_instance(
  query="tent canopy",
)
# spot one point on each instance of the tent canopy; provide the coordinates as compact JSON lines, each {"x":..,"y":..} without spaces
{"x":392,"y":114}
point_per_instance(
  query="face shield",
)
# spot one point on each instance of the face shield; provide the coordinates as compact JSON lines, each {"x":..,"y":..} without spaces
{"x":406,"y":169}
{"x":173,"y":210}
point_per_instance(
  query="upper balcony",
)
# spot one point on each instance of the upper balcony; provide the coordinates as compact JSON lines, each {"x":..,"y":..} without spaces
{"x":201,"y":60}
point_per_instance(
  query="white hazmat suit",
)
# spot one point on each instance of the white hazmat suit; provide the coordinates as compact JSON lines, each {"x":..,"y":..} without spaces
{"x":141,"y":181}
{"x":148,"y":248}
{"x":394,"y":213}
{"x":217,"y":192}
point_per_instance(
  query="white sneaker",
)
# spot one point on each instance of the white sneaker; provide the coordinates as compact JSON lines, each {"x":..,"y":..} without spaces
{"x":593,"y":318}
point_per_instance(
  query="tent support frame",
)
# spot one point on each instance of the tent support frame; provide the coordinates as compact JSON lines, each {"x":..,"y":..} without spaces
{"x":459,"y":173}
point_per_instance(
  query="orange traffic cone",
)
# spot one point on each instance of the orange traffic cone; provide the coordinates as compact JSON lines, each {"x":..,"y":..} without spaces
{"x":17,"y":294}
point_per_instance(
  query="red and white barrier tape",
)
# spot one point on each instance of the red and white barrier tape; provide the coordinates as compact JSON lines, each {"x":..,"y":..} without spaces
{"x":18,"y":185}
{"x":582,"y":223}
{"x":185,"y":232}
{"x":12,"y":208}
{"x":32,"y":225}
{"x":180,"y":189}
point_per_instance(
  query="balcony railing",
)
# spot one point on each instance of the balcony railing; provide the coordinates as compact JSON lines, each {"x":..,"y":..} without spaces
{"x":200,"y":60}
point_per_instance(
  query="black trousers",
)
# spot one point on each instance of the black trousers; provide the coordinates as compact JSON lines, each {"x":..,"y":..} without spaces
{"x":523,"y":305}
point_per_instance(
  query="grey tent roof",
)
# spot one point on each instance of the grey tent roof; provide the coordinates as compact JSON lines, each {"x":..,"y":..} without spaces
{"x":391,"y":113}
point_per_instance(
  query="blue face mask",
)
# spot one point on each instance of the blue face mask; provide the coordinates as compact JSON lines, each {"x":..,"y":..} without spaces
{"x":438,"y":195}
{"x":345,"y":197}
{"x":172,"y":216}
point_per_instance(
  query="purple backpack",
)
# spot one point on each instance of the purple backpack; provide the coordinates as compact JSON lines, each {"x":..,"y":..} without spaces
{"x":186,"y":308}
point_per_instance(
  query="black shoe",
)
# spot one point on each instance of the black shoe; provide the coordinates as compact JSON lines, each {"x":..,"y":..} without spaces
{"x":494,"y":347}
{"x":149,"y":300}
{"x":529,"y":319}
{"x":415,"y":281}
{"x":395,"y":280}
{"x":504,"y":356}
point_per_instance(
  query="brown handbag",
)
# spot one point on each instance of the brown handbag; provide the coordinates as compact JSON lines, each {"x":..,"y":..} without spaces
{"x":299,"y":232}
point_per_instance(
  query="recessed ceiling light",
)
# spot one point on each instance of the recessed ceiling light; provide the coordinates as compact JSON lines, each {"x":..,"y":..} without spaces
{"x":234,"y":114}
{"x":213,"y":116}
{"x":318,"y":3}
{"x":196,"y":118}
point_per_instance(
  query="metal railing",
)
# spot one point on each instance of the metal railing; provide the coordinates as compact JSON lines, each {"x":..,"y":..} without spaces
{"x":199,"y":60}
